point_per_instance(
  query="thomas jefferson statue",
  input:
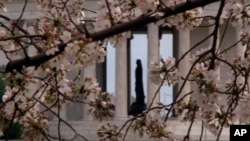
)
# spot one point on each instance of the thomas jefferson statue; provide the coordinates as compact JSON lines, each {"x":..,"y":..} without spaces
{"x":138,"y":106}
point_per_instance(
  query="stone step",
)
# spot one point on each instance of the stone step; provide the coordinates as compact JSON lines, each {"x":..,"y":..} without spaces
{"x":88,"y":129}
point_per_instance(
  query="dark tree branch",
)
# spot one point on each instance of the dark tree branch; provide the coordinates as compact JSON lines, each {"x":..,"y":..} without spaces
{"x":215,"y":32}
{"x":100,"y":35}
{"x":146,"y":19}
{"x":110,"y":13}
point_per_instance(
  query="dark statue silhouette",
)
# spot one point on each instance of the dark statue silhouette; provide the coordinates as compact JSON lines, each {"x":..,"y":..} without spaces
{"x":138,"y":106}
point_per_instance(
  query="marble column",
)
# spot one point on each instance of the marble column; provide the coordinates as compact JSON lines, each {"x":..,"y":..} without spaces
{"x":63,"y":111}
{"x":240,"y":49}
{"x":184,"y":65}
{"x":121,"y":90}
{"x":89,"y":71}
{"x":153,"y":56}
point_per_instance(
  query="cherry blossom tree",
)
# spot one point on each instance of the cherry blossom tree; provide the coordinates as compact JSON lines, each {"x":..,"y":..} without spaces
{"x":63,"y":43}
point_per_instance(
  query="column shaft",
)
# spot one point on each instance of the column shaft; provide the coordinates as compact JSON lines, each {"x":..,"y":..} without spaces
{"x":240,"y":49}
{"x":89,"y":71}
{"x":121,"y":94}
{"x":153,"y":56}
{"x":184,"y":65}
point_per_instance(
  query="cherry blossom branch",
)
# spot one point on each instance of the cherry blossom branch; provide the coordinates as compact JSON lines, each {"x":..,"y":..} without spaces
{"x":23,"y":36}
{"x":62,"y":120}
{"x":129,"y":122}
{"x":22,"y":12}
{"x":202,"y":131}
{"x":126,"y":132}
{"x":101,"y":35}
{"x":11,"y":123}
{"x":147,"y":18}
{"x":215,"y":35}
{"x":225,"y":118}
{"x":191,"y":124}
{"x":89,"y":10}
{"x":185,"y":79}
{"x":15,"y":25}
{"x":223,"y":34}
{"x":109,"y":13}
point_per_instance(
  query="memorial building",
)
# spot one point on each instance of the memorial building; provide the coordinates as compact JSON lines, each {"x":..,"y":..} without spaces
{"x":117,"y":73}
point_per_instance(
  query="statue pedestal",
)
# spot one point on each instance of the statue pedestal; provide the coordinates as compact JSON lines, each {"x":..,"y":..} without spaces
{"x":137,"y":108}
